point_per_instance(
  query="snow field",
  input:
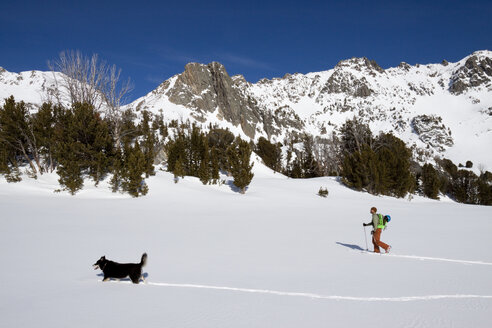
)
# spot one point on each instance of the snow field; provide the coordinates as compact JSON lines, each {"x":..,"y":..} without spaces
{"x":279,"y":256}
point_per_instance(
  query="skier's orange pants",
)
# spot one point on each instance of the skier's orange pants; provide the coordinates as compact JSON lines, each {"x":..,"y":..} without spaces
{"x":377,"y":242}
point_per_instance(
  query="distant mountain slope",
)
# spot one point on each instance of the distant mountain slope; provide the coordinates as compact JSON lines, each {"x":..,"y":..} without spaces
{"x":440,"y":109}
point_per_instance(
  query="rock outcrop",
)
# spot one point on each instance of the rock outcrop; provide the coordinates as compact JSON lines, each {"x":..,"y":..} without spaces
{"x":476,"y":72}
{"x":432,"y":131}
{"x":208,"y":88}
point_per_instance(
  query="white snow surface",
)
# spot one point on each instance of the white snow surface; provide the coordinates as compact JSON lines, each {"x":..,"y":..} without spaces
{"x":278,"y":256}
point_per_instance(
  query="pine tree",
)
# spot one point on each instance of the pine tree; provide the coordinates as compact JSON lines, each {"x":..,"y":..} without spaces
{"x":485,"y":188}
{"x":196,"y":151}
{"x":117,"y":170}
{"x":16,"y":133}
{"x":394,"y":162}
{"x":309,"y":165}
{"x":204,"y":170}
{"x":239,"y":154}
{"x":70,"y":175}
{"x":44,"y":122}
{"x":430,"y":181}
{"x":380,"y":165}
{"x":83,"y":137}
{"x":135,"y":167}
{"x":8,"y":165}
{"x":176,"y":150}
{"x":83,"y":145}
{"x":360,"y":170}
{"x":355,"y":135}
{"x":221,"y":139}
{"x":215,"y":166}
{"x":271,"y":154}
{"x":4,"y":159}
{"x":465,"y":188}
{"x":149,"y":142}
{"x":296,"y":169}
{"x":129,"y":131}
{"x":178,"y":170}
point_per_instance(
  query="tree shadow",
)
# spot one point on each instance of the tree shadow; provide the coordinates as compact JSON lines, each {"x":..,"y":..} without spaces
{"x":233,"y":187}
{"x":355,"y":247}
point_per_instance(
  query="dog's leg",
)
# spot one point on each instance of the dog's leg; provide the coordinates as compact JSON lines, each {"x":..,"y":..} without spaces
{"x":106,"y":278}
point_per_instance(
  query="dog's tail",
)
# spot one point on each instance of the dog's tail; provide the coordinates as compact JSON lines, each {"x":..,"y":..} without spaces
{"x":143,"y":261}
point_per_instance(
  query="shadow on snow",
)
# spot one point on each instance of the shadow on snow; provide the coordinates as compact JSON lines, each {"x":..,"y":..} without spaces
{"x":356,"y":247}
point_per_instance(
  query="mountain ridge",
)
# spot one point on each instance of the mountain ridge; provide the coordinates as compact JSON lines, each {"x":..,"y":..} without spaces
{"x":442,"y":109}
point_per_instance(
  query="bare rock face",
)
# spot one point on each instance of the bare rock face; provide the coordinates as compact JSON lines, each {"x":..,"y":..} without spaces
{"x":361,"y":65}
{"x":404,"y":66}
{"x":476,"y":72}
{"x":344,"y":82}
{"x":208,"y":88}
{"x":432,"y":132}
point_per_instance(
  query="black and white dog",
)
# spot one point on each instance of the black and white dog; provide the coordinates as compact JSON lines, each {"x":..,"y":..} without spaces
{"x":121,"y":270}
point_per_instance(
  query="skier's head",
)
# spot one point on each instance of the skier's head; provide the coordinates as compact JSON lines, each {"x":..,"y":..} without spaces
{"x":373,"y":210}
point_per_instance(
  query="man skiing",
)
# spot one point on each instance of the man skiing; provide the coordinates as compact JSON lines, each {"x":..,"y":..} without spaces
{"x":377,"y":226}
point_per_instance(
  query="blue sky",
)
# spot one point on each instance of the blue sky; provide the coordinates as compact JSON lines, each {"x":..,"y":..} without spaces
{"x":153,"y":40}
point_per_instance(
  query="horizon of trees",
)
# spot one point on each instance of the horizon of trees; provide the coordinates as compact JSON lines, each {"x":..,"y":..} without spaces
{"x":79,"y":142}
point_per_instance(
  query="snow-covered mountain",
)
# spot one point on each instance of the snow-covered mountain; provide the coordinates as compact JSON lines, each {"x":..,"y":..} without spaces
{"x":439,"y":109}
{"x":32,"y":87}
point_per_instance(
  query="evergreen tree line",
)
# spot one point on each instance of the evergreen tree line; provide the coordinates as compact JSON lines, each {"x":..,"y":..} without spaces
{"x":462,"y":185}
{"x":78,"y":142}
{"x":193,"y":152}
{"x":304,"y":156}
{"x":380,"y":165}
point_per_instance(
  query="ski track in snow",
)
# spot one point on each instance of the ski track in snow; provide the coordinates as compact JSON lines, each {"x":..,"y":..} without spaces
{"x":343,"y":298}
{"x":317,"y":296}
{"x":426,"y":258}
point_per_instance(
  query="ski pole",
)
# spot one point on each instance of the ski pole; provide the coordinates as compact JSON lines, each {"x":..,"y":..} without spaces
{"x":365,"y":236}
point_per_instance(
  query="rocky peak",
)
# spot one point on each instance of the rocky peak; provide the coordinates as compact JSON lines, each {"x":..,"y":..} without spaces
{"x":361,"y":65}
{"x":405,"y":66}
{"x":209,"y":88}
{"x":239,"y":80}
{"x":344,"y":80}
{"x":476,"y":71}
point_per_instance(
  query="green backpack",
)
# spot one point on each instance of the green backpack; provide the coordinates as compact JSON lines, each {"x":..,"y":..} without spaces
{"x":383,"y":221}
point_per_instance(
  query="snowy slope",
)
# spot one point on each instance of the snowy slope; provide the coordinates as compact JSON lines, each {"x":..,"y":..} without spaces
{"x":439,"y":109}
{"x":397,"y":96}
{"x":390,"y":100}
{"x":33,"y":87}
{"x":278,"y":256}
